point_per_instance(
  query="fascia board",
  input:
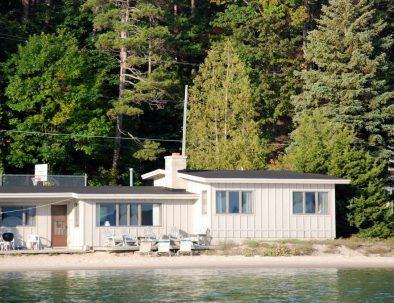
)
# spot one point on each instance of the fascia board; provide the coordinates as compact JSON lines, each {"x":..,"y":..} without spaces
{"x":36,"y":195}
{"x":154,"y":174}
{"x":99,"y":196}
{"x":137,"y":197}
{"x":263,"y":181}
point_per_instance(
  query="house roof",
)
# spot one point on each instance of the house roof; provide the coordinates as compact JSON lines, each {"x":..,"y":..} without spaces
{"x":259,"y":176}
{"x":95,"y":192}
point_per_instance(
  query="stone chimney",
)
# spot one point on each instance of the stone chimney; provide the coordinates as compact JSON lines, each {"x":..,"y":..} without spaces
{"x":174,"y":163}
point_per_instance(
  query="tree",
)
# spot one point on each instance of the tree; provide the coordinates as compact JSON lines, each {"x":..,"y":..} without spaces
{"x":135,"y":33}
{"x":321,"y":146}
{"x":52,"y":89}
{"x":222,"y":133}
{"x":269,"y":35}
{"x":346,"y":78}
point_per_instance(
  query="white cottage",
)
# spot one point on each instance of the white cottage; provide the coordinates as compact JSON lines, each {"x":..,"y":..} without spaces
{"x":233,"y":205}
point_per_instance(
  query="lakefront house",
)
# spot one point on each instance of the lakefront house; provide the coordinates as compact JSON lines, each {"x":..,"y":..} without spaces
{"x":232,"y":205}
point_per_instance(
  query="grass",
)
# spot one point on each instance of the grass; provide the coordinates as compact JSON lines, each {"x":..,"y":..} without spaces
{"x":292,"y":247}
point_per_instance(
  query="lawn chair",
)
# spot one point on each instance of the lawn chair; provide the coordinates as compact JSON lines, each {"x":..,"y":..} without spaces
{"x":185,"y":247}
{"x":146,"y":247}
{"x":164,"y":246}
{"x":34,"y":242}
{"x":128,"y":240}
{"x":149,"y":235}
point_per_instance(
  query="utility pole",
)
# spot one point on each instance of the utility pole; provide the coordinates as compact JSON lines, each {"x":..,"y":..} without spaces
{"x":184,"y":123}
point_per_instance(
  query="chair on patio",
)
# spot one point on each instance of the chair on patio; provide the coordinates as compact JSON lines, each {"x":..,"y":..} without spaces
{"x":128,"y":240}
{"x":112,"y":240}
{"x":34,"y":242}
{"x":203,"y":237}
{"x":146,"y":247}
{"x":185,"y":247}
{"x":164,"y":247}
{"x":149,"y":235}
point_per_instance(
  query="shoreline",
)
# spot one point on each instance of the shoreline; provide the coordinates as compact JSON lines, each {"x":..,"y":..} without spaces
{"x":124,"y":261}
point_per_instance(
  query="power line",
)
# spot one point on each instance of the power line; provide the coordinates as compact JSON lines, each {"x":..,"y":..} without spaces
{"x":35,"y":207}
{"x":86,"y":136}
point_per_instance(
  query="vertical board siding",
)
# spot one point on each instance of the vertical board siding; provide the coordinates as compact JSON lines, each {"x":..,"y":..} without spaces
{"x":272,"y":216}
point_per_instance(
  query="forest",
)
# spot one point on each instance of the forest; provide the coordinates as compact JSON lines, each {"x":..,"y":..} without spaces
{"x":98,"y":87}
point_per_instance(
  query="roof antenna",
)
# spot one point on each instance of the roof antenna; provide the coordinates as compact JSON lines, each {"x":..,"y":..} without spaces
{"x":184,"y":124}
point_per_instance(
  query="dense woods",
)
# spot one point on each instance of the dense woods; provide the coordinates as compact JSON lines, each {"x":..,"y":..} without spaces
{"x":97,"y":87}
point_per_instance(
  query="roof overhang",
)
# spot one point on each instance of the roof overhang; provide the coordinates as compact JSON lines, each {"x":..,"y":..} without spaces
{"x":158,"y":173}
{"x":93,"y":196}
{"x":263,"y":180}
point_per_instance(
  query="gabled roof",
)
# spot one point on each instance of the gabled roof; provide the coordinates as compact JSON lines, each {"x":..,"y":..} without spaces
{"x":258,"y":176}
{"x":95,"y":192}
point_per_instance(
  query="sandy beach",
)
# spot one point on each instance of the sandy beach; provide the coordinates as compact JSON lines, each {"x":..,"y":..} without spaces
{"x":104,"y":260}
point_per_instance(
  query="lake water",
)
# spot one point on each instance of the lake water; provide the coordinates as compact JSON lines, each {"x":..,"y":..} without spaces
{"x":200,"y":285}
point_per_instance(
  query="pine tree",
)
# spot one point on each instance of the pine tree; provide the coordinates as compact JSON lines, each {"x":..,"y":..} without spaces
{"x":346,"y":79}
{"x":222,"y":133}
{"x":269,"y":36}
{"x":134,"y":32}
{"x":322,"y":146}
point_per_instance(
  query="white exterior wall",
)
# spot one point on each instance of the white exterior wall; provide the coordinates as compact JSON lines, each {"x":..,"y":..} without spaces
{"x":43,"y":222}
{"x":271,"y":217}
{"x":174,"y":213}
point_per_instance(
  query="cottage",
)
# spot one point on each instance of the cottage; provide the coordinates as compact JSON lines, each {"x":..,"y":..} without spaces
{"x":233,"y":205}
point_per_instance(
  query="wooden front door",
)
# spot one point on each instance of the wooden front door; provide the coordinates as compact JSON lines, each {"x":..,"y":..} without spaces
{"x":59,"y":225}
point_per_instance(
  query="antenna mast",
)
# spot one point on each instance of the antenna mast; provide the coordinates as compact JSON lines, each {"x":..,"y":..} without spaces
{"x":184,"y":123}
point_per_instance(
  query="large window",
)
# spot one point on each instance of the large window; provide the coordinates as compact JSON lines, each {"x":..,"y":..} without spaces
{"x":127,"y":214}
{"x":11,"y":216}
{"x":233,"y":202}
{"x":310,"y":202}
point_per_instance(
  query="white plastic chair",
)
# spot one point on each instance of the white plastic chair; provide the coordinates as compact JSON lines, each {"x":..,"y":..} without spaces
{"x":185,"y":246}
{"x":163,"y":246}
{"x":34,"y":242}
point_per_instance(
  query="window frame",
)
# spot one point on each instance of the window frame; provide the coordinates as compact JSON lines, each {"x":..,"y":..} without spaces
{"x":24,"y":210}
{"x":240,"y":200}
{"x":204,"y":202}
{"x":316,"y":206}
{"x":129,"y":212}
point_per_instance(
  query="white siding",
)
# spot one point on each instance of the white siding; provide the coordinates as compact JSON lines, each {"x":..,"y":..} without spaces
{"x":272,"y":216}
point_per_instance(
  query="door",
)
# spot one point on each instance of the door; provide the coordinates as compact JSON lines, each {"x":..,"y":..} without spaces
{"x":59,"y":225}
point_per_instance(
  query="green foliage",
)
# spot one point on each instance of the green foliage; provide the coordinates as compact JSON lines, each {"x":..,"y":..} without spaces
{"x":150,"y":152}
{"x":137,"y":30}
{"x":222,"y":133}
{"x":347,"y":75}
{"x":328,"y":147}
{"x":269,"y":41}
{"x":55,"y":92}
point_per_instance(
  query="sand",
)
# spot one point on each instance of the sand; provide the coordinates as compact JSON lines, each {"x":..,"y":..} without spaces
{"x":104,"y":260}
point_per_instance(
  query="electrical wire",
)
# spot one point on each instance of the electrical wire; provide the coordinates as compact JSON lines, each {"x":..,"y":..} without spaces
{"x":35,"y":207}
{"x":86,"y":136}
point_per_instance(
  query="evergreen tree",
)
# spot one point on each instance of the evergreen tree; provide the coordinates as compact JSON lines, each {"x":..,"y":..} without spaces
{"x":134,"y":31}
{"x":347,"y":75}
{"x":269,"y":36}
{"x":321,"y":146}
{"x":222,"y":133}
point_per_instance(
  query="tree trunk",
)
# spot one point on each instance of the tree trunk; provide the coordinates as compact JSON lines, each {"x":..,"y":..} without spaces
{"x":26,"y":8}
{"x":122,"y":85}
{"x":192,"y":7}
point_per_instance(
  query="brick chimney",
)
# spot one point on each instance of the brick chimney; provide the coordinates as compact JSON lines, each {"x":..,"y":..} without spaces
{"x":174,"y":163}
